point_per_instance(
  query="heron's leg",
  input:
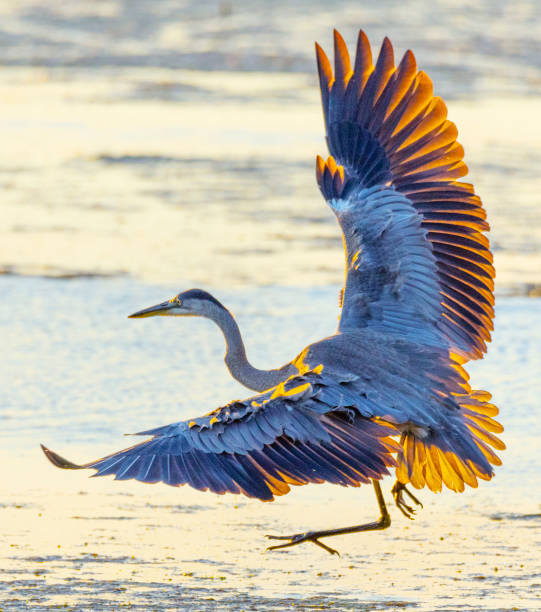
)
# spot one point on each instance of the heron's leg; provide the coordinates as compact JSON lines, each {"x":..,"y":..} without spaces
{"x":383,"y":522}
{"x":397,"y":491}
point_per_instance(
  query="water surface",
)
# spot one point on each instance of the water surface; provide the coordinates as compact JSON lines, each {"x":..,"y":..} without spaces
{"x":177,"y":140}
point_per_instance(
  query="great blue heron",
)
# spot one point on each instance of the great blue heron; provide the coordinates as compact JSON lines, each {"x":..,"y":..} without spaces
{"x":388,"y":388}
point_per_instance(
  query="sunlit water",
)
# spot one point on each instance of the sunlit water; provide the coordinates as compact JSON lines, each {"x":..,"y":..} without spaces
{"x":167,"y":139}
{"x":159,"y":146}
{"x":79,"y":374}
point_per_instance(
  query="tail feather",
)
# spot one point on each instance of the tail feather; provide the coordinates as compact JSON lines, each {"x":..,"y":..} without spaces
{"x":457,"y":455}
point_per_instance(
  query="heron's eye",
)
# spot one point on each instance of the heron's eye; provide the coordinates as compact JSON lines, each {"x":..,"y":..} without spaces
{"x":178,"y":301}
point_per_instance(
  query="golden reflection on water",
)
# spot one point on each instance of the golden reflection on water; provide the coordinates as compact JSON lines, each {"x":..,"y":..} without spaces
{"x":179,"y":191}
{"x":78,"y":542}
{"x":84,"y":543}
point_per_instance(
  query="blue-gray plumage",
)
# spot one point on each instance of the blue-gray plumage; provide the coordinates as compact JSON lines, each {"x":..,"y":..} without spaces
{"x":388,"y":389}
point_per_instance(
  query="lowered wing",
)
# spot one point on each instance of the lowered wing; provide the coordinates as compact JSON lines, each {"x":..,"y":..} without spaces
{"x":291,"y":435}
{"x":327,"y":425}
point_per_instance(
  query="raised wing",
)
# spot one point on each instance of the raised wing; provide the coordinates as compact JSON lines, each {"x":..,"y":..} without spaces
{"x":294,"y":434}
{"x":417,"y":258}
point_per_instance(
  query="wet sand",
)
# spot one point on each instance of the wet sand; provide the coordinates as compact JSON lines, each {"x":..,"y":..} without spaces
{"x":94,"y":545}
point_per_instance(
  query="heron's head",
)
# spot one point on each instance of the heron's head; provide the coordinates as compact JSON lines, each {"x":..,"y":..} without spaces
{"x":191,"y":303}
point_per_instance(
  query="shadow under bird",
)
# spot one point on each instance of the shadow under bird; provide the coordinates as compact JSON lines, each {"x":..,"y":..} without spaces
{"x":388,"y":389}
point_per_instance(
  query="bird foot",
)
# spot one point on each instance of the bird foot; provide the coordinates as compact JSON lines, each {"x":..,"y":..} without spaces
{"x":398,"y":491}
{"x":299,"y":538}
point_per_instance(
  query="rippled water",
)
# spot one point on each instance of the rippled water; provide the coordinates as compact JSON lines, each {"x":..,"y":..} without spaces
{"x":175,"y":140}
{"x":151,"y":147}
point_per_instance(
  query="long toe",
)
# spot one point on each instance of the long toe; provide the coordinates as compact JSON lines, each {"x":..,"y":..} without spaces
{"x":299,"y":538}
{"x":330,"y":550}
{"x":293,"y":538}
{"x":412,"y":497}
{"x":406,"y":510}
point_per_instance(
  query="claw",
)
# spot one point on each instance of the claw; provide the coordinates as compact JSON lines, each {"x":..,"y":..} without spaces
{"x":398,"y":490}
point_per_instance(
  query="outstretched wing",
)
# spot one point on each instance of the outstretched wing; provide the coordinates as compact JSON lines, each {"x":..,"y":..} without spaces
{"x":293,"y":434}
{"x":417,"y":258}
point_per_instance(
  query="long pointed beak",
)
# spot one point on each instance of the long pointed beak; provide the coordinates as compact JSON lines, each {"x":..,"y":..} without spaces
{"x":159,"y":309}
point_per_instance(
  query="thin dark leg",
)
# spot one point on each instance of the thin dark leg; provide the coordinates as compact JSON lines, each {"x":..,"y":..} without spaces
{"x":313,"y":536}
{"x":397,"y":491}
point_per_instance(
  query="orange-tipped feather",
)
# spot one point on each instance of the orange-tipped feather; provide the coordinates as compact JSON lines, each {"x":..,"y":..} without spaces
{"x":384,"y":68}
{"x":405,"y":75}
{"x":342,"y":62}
{"x":363,"y":59}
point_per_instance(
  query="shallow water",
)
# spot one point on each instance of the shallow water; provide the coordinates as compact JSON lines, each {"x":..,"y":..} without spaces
{"x":79,"y":375}
{"x":151,"y":147}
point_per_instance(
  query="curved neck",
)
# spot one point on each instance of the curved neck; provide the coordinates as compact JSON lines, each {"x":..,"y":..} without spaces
{"x":235,"y":356}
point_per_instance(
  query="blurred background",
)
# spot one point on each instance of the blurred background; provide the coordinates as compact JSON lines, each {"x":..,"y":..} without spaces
{"x":173,"y":141}
{"x":149,"y":147}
